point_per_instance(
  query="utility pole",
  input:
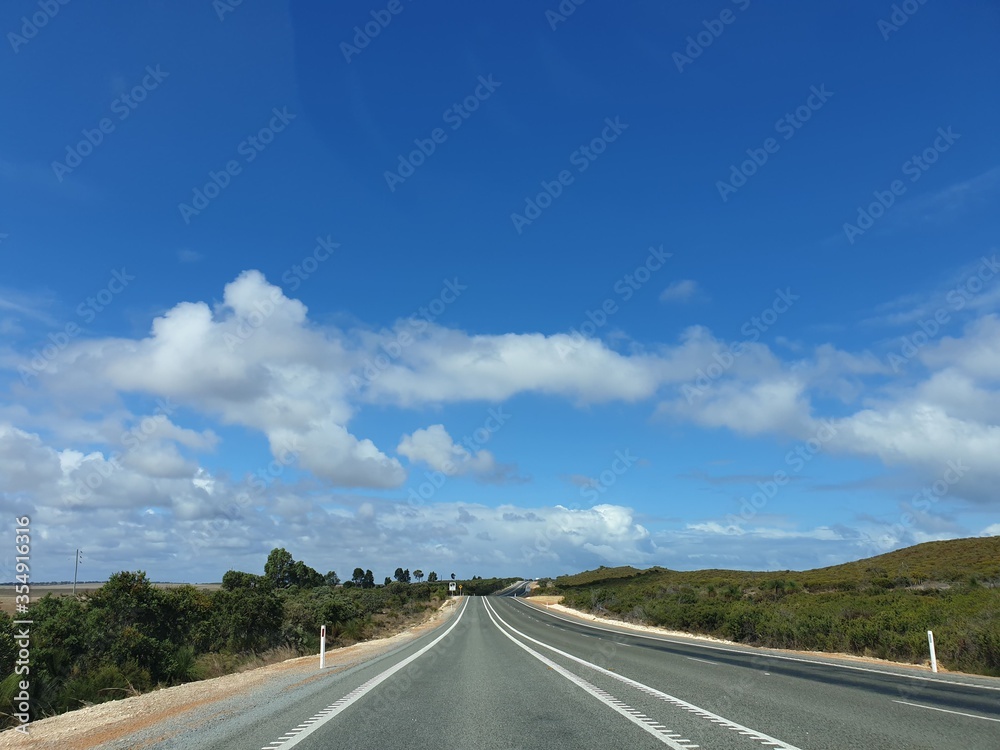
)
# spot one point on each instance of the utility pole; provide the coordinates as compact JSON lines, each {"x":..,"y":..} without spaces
{"x":76,"y":568}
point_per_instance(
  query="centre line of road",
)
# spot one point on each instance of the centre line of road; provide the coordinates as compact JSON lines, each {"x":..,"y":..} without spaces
{"x":303,"y":730}
{"x":680,"y":703}
{"x":653,"y":727}
{"x":703,"y":661}
{"x":946,"y":711}
{"x":760,"y":654}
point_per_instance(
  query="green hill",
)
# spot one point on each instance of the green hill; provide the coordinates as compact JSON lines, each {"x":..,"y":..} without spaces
{"x":601,"y":574}
{"x":949,"y":561}
{"x":880,"y":606}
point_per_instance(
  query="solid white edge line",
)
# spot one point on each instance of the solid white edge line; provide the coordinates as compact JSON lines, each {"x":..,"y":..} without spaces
{"x":606,"y":698}
{"x":948,"y":711}
{"x":336,"y":708}
{"x":768,"y":654}
{"x":704,"y":713}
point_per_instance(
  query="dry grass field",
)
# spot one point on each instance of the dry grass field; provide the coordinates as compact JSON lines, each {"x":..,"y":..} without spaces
{"x":39,"y":591}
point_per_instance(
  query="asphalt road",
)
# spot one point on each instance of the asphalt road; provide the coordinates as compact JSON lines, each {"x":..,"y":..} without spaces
{"x":506,"y":674}
{"x":802,"y":701}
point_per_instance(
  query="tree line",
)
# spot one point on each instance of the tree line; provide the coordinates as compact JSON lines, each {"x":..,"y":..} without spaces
{"x":284,"y":572}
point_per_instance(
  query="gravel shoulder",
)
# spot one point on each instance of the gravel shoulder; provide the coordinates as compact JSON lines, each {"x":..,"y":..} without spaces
{"x":145,"y":720}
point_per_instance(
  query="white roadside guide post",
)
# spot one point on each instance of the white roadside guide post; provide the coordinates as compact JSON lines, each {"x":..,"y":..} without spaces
{"x":930,"y":642}
{"x":322,"y":647}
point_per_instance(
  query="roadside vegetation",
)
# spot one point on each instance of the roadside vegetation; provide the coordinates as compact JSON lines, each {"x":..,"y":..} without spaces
{"x":130,"y":636}
{"x":882,"y":606}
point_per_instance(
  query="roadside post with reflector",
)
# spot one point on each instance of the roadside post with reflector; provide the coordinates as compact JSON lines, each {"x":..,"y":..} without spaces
{"x":930,"y":644}
{"x":322,"y":647}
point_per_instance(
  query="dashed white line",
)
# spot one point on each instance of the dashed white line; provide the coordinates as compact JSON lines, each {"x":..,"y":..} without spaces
{"x":642,"y":721}
{"x":703,"y":661}
{"x":680,"y":703}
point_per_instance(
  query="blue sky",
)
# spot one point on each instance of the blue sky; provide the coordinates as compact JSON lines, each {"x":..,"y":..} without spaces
{"x":497,"y":291}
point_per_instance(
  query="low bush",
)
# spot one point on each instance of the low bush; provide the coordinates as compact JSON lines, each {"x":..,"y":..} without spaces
{"x":871,"y":607}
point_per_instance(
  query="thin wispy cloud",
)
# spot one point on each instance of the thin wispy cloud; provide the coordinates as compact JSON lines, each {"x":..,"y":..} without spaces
{"x":726,"y":479}
{"x":972,"y":288}
{"x":685,"y":290}
{"x":950,"y":202}
{"x":20,"y":305}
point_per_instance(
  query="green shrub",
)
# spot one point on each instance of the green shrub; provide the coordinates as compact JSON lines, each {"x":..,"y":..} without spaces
{"x":105,"y":683}
{"x":867,"y":607}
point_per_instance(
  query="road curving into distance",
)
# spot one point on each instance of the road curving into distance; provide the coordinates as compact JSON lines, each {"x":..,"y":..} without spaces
{"x":503,"y":673}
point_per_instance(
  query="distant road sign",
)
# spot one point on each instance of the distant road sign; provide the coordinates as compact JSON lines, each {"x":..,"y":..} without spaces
{"x":452,"y":585}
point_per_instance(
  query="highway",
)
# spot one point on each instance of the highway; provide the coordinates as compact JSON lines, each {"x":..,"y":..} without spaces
{"x":503,"y":673}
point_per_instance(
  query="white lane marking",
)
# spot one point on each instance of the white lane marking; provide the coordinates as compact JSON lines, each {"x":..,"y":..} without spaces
{"x":300,"y":733}
{"x":945,"y":710}
{"x":704,"y":713}
{"x":762,"y":654}
{"x":703,"y":661}
{"x":642,"y":721}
